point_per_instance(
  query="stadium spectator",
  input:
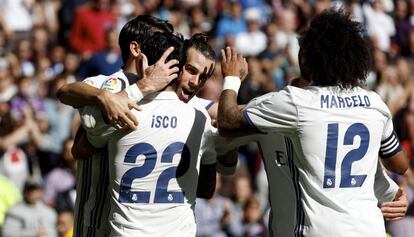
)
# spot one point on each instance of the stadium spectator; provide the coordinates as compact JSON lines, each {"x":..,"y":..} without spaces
{"x":243,"y":40}
{"x":65,"y":222}
{"x":214,"y":214}
{"x":105,"y":62}
{"x":403,"y":27}
{"x":9,"y":196}
{"x":30,"y":217}
{"x":12,"y":10}
{"x":380,"y":26}
{"x":89,"y":27}
{"x":61,"y":178}
{"x":253,"y":224}
{"x":230,"y":23}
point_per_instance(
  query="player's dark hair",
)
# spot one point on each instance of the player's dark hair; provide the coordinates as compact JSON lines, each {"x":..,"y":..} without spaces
{"x":156,"y":45}
{"x":139,"y":29}
{"x":333,"y":51}
{"x":199,"y":41}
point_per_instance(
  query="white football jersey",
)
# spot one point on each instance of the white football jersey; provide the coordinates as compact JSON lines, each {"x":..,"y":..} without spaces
{"x":154,"y":169}
{"x":283,"y":181}
{"x":92,"y":177}
{"x":331,"y":147}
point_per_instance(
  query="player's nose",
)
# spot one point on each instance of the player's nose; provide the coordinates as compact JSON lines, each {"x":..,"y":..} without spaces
{"x":194,"y":82}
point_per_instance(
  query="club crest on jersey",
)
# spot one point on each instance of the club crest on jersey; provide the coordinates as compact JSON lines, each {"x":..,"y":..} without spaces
{"x":113,"y":84}
{"x":89,"y":82}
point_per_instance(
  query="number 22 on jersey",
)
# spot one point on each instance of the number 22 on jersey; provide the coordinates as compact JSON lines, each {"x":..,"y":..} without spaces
{"x":346,"y":180}
{"x":162,"y":195}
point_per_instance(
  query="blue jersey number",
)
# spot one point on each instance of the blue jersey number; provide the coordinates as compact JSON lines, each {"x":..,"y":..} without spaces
{"x":347,"y":180}
{"x":126,"y":195}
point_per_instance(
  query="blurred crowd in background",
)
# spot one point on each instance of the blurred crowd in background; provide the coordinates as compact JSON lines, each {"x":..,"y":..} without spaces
{"x":47,"y":43}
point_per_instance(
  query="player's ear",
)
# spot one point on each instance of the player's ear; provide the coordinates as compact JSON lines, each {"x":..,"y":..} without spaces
{"x":135,"y":49}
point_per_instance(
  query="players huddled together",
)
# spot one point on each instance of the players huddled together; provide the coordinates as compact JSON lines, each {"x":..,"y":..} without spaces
{"x":149,"y":148}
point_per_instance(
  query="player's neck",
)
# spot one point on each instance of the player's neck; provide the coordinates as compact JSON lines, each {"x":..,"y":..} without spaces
{"x":171,"y":87}
{"x":130,"y":68}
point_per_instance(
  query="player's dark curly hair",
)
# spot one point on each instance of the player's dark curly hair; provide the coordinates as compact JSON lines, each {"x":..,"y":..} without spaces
{"x":139,"y":29}
{"x":159,"y":42}
{"x":199,"y":41}
{"x":333,"y":51}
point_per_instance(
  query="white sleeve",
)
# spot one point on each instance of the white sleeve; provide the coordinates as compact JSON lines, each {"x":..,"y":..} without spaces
{"x":384,"y":187}
{"x":98,"y":132}
{"x":224,"y":145}
{"x":204,"y":102}
{"x":208,"y":153}
{"x":134,"y":93}
{"x":272,"y":112}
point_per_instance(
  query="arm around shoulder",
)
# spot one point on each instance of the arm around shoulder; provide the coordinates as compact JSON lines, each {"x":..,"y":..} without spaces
{"x":79,"y":94}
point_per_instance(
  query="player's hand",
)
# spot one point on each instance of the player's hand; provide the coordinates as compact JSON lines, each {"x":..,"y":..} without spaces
{"x":396,"y":209}
{"x":117,"y":109}
{"x":159,"y":75}
{"x":233,"y":63}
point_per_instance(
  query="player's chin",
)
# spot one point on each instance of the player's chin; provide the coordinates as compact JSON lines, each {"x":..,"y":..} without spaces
{"x":186,"y":95}
{"x":183,"y":96}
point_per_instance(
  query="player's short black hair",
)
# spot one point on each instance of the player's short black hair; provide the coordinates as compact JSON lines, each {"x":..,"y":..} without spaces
{"x":333,"y":51}
{"x":157,"y":44}
{"x":139,"y":29}
{"x":199,"y":41}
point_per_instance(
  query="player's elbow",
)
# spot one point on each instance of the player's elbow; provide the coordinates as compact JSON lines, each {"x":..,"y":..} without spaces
{"x":226,"y":127}
{"x":60,"y":93}
{"x":232,"y":129}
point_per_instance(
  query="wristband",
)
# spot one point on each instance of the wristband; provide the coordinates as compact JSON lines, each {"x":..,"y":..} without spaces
{"x":134,"y":93}
{"x":232,"y":83}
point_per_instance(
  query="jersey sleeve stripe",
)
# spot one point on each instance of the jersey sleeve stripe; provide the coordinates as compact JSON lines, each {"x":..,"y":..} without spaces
{"x":85,"y":189}
{"x":390,"y":147}
{"x":385,"y":149}
{"x":388,"y":140}
{"x":250,"y":122}
{"x":209,"y":105}
{"x":300,"y":213}
{"x":101,"y":191}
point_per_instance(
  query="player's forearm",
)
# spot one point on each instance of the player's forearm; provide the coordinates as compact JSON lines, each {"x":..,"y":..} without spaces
{"x":206,"y":181}
{"x":230,"y":119}
{"x":226,"y":164}
{"x":79,"y":94}
{"x":398,"y":163}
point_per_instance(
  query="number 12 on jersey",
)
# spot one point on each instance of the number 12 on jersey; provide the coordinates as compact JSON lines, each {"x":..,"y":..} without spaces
{"x":347,"y":180}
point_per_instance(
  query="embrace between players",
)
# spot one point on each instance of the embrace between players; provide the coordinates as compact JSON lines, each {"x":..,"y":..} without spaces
{"x":148,"y":148}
